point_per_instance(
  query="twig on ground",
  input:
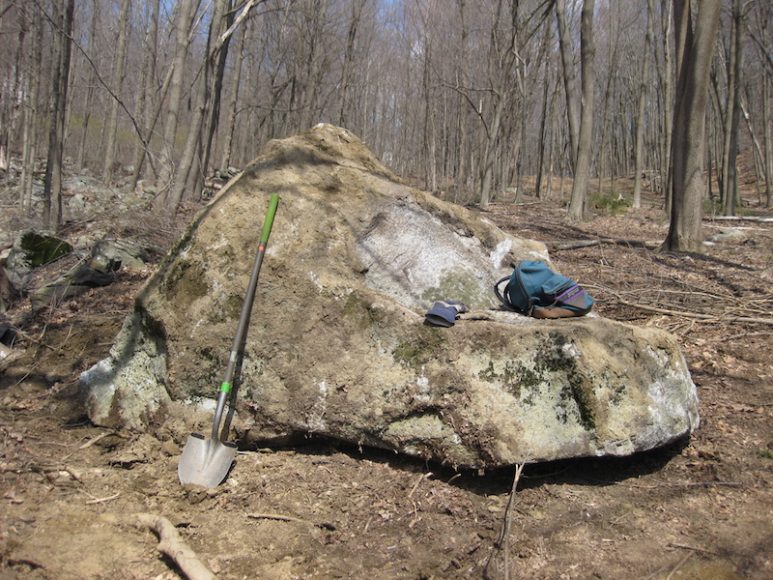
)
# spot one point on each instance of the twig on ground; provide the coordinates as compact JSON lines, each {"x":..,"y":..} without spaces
{"x":691,"y":484}
{"x":91,"y":442}
{"x":97,"y":500}
{"x":678,"y":565}
{"x":173,"y":546}
{"x":693,"y":548}
{"x":502,"y":540}
{"x":738,"y":218}
{"x":278,"y":517}
{"x":418,"y":481}
{"x":576,"y":244}
{"x":691,"y":315}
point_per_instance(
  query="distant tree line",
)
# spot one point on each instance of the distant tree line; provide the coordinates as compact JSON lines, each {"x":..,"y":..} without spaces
{"x":478,"y":100}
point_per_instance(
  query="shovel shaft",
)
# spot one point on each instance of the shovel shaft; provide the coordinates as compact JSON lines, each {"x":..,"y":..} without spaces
{"x":244,"y":319}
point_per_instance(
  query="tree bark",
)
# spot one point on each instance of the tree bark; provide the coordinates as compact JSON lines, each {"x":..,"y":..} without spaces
{"x":570,"y":91}
{"x":234,"y":102}
{"x":119,"y":74}
{"x":52,"y":184}
{"x":768,"y":142}
{"x":217,"y":89}
{"x":183,"y":25}
{"x":582,"y":165}
{"x":346,"y":69}
{"x":645,"y":70}
{"x":694,"y":53}
{"x":666,"y":9}
{"x":31,"y":110}
{"x":145,"y":99}
{"x":209,"y":82}
{"x":92,"y":81}
{"x":732,"y":115}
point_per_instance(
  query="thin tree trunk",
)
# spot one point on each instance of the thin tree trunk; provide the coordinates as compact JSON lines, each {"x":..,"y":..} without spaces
{"x":183,"y":25}
{"x":668,"y":104}
{"x":92,"y":81}
{"x":645,"y":70}
{"x":582,"y":166}
{"x":234,"y":103}
{"x":768,"y":141}
{"x":175,"y":193}
{"x":569,"y":80}
{"x":346,"y":69}
{"x":9,"y":125}
{"x":543,"y":119}
{"x":428,"y":148}
{"x":217,"y":91}
{"x":489,"y":154}
{"x":759,"y":160}
{"x":461,"y":125}
{"x":52,"y":187}
{"x":31,"y":114}
{"x":145,"y":101}
{"x":732,"y":112}
{"x":119,"y":74}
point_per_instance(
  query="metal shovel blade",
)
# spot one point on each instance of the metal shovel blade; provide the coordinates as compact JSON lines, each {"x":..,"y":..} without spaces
{"x":205,"y":461}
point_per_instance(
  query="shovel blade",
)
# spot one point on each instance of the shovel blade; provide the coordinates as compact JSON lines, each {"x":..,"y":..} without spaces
{"x":205,"y":461}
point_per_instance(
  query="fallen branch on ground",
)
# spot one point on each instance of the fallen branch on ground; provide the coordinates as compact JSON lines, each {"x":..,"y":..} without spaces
{"x":502,"y":540}
{"x":173,"y":546}
{"x":693,"y":548}
{"x":278,"y":517}
{"x":692,"y":315}
{"x":741,"y":218}
{"x":573,"y":245}
{"x":97,"y":500}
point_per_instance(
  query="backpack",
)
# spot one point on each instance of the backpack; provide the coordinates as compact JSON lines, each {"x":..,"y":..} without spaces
{"x":535,"y":290}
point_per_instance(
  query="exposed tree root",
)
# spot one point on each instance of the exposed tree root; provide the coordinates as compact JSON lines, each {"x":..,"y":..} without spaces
{"x":173,"y":546}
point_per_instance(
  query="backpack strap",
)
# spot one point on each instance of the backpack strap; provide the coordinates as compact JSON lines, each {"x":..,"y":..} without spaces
{"x":503,"y":296}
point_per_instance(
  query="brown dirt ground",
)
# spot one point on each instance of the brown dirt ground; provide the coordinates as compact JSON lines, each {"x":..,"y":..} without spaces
{"x":698,"y":509}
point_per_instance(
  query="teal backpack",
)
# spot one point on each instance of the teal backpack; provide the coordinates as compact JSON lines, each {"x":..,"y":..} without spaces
{"x":535,"y":290}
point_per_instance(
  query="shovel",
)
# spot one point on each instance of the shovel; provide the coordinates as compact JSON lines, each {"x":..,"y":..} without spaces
{"x":207,"y":461}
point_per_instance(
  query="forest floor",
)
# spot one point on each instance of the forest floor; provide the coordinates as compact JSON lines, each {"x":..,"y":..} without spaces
{"x":702,"y":508}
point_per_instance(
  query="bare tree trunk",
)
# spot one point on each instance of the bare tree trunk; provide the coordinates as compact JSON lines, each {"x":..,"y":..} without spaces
{"x":759,"y":159}
{"x":209,"y":83}
{"x":217,"y":90}
{"x":543,"y":134}
{"x":461,"y":125}
{"x":645,"y":70}
{"x":119,"y":74}
{"x":569,"y":80}
{"x":12,"y":107}
{"x":145,"y":100}
{"x":428,"y":148}
{"x":489,"y":154}
{"x":234,"y":103}
{"x":183,"y":25}
{"x":543,"y":130}
{"x":768,"y":142}
{"x":52,"y":187}
{"x":346,"y":69}
{"x":582,"y":166}
{"x":732,"y":115}
{"x":92,"y":81}
{"x":612,"y":50}
{"x":668,"y":105}
{"x":31,"y":114}
{"x":694,"y":55}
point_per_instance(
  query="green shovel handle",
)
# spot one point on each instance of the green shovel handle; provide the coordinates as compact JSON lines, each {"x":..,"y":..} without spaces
{"x":269,"y":221}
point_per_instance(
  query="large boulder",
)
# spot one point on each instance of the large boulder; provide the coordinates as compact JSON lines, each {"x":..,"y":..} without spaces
{"x":338,"y":344}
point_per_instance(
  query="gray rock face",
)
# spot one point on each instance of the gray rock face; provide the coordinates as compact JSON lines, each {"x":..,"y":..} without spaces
{"x":337,"y":344}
